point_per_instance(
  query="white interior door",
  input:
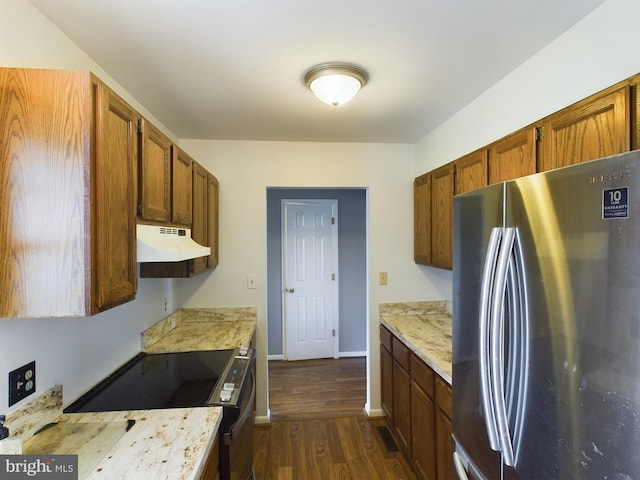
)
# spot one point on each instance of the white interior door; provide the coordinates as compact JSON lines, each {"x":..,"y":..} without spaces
{"x":310,"y":255}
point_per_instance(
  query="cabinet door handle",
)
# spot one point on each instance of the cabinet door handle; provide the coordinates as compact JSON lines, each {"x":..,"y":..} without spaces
{"x":289,"y":290}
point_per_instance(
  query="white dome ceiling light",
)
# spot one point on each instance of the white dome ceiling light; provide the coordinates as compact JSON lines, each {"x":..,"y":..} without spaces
{"x":335,"y":83}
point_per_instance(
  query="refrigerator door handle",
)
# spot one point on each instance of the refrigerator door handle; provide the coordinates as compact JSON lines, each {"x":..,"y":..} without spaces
{"x":496,"y":338}
{"x":460,"y":470}
{"x":486,"y":294}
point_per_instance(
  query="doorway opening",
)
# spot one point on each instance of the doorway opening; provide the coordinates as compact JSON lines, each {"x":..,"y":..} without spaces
{"x":352,"y":269}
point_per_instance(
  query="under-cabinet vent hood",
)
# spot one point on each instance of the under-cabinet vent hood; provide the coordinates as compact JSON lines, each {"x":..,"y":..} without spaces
{"x":167,"y":244}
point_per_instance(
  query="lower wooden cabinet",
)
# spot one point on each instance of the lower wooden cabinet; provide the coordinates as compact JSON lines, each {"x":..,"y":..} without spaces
{"x":211,"y":470}
{"x":417,"y":402}
{"x":423,"y":436}
{"x":444,"y":440}
{"x":386,"y":381}
{"x":401,"y":400}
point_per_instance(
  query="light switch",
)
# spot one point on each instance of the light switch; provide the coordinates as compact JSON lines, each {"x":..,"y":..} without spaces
{"x":383,"y":278}
{"x":251,"y":281}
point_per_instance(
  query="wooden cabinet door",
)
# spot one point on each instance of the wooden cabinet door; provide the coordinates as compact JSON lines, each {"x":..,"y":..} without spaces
{"x":593,"y":128}
{"x":181,"y":187}
{"x":114,"y":236}
{"x":444,"y":441}
{"x":513,"y":156}
{"x":635,"y":112}
{"x":471,"y":171}
{"x":422,"y":219}
{"x":212,"y":220}
{"x":401,"y":405}
{"x":386,"y":382}
{"x":200,"y":227}
{"x":423,"y":432}
{"x":442,"y":216}
{"x":155,"y":175}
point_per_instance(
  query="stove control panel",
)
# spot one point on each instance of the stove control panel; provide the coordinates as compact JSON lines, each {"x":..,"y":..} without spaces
{"x":232,"y":380}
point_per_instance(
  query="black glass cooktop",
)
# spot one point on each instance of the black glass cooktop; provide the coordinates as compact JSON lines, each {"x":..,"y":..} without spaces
{"x":157,"y":380}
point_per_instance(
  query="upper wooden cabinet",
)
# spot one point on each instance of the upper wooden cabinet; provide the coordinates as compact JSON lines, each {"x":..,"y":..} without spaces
{"x":155,"y":174}
{"x":635,"y":112}
{"x":422,"y":219}
{"x":200,"y":229}
{"x":204,"y":230}
{"x":442,"y":188}
{"x":67,"y":193}
{"x":212,"y":219}
{"x":596,"y":127}
{"x":604,"y":124}
{"x":471,"y":171}
{"x":513,"y":156}
{"x":181,"y":187}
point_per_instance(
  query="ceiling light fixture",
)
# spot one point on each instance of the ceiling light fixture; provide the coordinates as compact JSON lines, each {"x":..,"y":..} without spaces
{"x":335,"y":83}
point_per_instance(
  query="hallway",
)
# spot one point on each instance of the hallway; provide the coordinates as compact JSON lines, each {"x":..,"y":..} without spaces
{"x":318,"y":427}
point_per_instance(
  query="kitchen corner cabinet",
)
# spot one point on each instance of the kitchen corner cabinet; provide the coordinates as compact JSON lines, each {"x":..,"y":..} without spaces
{"x":421,"y":404}
{"x":596,"y":127}
{"x":67,"y":192}
{"x":154,"y":189}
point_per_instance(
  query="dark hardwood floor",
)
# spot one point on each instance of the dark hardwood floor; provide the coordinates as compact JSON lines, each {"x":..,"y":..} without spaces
{"x":318,"y":426}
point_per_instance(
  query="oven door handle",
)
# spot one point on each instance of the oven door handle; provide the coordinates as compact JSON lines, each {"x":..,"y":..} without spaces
{"x":248,"y":410}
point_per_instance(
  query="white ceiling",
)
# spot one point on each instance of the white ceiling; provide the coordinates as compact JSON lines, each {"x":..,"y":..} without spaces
{"x":232,"y":69}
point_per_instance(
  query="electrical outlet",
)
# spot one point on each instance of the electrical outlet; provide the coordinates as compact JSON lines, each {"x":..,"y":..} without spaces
{"x":22,"y":382}
{"x":383,"y":278}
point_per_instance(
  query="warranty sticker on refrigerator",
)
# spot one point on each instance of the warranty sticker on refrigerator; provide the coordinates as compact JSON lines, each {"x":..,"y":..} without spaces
{"x":615,"y":203}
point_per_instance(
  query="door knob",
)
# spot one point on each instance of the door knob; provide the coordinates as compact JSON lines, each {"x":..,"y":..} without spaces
{"x":289,"y":290}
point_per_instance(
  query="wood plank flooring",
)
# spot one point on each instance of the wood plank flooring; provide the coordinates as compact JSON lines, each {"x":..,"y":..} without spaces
{"x":318,"y":426}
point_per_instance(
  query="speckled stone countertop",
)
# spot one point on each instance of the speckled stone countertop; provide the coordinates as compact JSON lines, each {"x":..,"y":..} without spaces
{"x":424,"y":327}
{"x":172,"y":444}
{"x":191,"y":329}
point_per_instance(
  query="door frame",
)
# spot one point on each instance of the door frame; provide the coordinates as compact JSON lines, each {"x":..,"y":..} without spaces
{"x":335,"y":285}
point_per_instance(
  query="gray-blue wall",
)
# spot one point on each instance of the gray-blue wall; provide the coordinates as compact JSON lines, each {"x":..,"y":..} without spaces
{"x":352,"y":259}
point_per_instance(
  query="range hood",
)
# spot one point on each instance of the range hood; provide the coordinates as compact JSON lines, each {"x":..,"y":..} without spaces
{"x":167,"y":244}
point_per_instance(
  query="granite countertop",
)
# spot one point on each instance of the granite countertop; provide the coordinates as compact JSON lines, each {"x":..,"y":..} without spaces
{"x":166,"y":444}
{"x":425,"y":328}
{"x":191,"y":329}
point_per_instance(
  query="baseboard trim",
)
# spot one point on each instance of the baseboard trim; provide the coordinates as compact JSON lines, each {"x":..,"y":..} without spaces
{"x":340,"y":355}
{"x":263,"y":419}
{"x":373,"y":412}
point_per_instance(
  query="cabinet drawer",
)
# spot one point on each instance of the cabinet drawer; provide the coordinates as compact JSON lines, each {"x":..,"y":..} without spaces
{"x":401,"y":353}
{"x":422,"y":374}
{"x":443,"y":396}
{"x":385,"y":338}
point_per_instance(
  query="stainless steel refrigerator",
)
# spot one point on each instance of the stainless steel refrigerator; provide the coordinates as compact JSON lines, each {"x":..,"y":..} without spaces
{"x":546,"y":325}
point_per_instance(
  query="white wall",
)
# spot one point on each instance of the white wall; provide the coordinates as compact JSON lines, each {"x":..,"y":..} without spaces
{"x":74,"y":352}
{"x":599,"y":51}
{"x":246,"y":169}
